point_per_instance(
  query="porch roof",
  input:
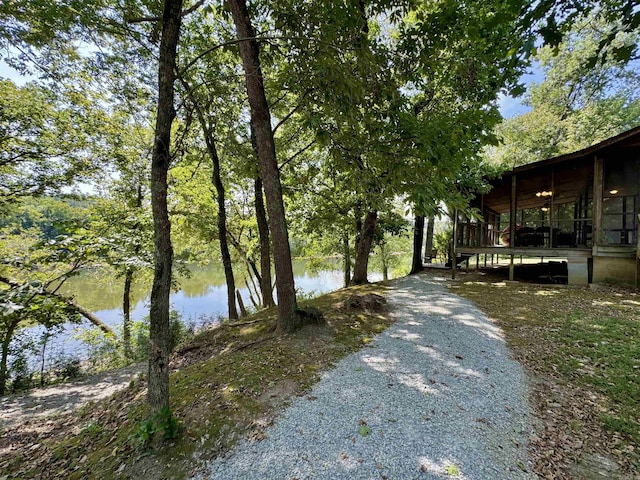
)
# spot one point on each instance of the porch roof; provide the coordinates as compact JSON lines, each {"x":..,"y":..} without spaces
{"x":570,"y":174}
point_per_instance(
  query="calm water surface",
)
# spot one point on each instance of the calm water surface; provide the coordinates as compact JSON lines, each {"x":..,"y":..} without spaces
{"x":201,"y":295}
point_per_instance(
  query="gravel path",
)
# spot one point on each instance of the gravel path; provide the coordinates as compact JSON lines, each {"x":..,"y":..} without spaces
{"x":65,"y":397}
{"x":435,"y":396}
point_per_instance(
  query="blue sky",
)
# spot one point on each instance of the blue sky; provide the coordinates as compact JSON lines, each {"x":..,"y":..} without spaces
{"x":512,"y":107}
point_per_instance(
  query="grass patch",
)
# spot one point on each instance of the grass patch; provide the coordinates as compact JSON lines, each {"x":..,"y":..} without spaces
{"x":583,"y":346}
{"x":229,"y":383}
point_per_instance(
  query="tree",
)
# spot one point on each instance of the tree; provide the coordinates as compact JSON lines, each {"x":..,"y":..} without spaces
{"x":418,"y":235}
{"x":552,"y":20}
{"x":158,"y":382}
{"x":41,"y":148}
{"x":35,"y":264}
{"x":265,"y":147}
{"x":216,"y":179}
{"x":577,"y":104}
{"x":397,"y":112}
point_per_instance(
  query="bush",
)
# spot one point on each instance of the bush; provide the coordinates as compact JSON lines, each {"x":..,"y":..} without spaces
{"x":21,"y":376}
{"x":106,"y":352}
{"x":67,"y":368}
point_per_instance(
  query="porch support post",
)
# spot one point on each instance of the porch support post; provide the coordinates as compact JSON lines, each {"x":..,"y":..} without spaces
{"x":454,"y":260}
{"x":598,"y":188}
{"x":638,"y":253}
{"x":553,"y":194}
{"x":512,"y":214}
{"x":511,"y":267}
{"x":482,"y":223}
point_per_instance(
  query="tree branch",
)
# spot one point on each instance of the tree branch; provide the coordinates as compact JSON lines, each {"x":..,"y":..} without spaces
{"x":299,"y":152}
{"x":69,"y":301}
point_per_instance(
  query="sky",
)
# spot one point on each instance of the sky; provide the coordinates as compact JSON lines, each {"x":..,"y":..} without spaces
{"x":512,"y":107}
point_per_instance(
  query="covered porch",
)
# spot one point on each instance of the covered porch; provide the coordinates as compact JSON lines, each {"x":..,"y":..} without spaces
{"x":549,"y":206}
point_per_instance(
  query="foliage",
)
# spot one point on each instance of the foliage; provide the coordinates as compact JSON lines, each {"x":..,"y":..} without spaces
{"x":162,"y":422}
{"x":19,"y":374}
{"x":552,"y":20}
{"x":41,"y":148}
{"x":442,"y":241}
{"x":577,"y":104}
{"x":67,"y":368}
{"x":105,"y":353}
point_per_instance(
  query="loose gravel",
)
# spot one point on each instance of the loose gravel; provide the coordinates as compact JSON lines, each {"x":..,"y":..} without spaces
{"x":437,"y":395}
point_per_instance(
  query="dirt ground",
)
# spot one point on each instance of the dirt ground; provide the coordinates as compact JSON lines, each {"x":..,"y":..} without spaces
{"x":64,"y":397}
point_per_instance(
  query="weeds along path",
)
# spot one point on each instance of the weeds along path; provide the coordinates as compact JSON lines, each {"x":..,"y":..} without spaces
{"x":64,"y":397}
{"x":437,"y":395}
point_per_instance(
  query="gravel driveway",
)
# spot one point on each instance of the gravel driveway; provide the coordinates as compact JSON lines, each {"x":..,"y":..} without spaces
{"x":437,"y":395}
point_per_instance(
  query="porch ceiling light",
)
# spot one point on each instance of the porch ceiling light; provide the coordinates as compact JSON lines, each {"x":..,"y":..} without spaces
{"x":545,"y":209}
{"x":544,"y":193}
{"x":613,"y":192}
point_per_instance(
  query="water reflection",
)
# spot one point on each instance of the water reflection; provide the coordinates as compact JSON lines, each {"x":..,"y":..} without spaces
{"x":202,"y":294}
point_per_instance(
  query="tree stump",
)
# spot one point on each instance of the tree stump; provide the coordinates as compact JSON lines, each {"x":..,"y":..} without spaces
{"x":309,"y":316}
{"x":369,"y":302}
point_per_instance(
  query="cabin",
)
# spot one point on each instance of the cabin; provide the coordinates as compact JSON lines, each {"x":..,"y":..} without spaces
{"x":582,"y":208}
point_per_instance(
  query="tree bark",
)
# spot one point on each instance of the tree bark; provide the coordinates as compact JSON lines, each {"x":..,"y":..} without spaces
{"x":384,"y":256}
{"x":347,"y":259}
{"x":251,"y":264}
{"x":418,"y":235}
{"x":243,"y":310}
{"x":6,"y":341}
{"x":158,"y":378}
{"x":364,"y":248}
{"x":428,"y":245}
{"x":261,"y":128}
{"x":265,"y":247}
{"x":126,"y":312}
{"x":43,"y":357}
{"x":222,"y":224}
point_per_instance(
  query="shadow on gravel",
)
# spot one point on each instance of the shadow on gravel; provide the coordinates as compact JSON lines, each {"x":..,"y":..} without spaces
{"x":434,"y":396}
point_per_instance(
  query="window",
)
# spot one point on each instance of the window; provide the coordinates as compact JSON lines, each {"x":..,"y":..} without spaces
{"x":620,"y":201}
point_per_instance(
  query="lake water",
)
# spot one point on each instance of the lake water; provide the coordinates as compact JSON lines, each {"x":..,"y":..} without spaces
{"x":200,"y":295}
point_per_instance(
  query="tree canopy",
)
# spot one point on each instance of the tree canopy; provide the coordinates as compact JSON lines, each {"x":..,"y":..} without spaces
{"x":242,"y":124}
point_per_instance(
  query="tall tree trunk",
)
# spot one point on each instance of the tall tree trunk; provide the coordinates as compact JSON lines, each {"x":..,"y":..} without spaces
{"x":418,"y":235}
{"x":428,"y":244}
{"x":261,"y":128}
{"x":126,"y":312}
{"x":384,"y":256}
{"x":158,"y":378}
{"x":243,"y":311}
{"x":346,"y":253}
{"x":364,"y":248}
{"x":216,"y":179}
{"x":222,"y":225}
{"x":43,"y":356}
{"x":265,"y":247}
{"x":6,"y":341}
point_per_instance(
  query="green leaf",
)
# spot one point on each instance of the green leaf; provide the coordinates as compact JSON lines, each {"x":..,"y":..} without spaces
{"x":452,"y":470}
{"x":364,"y":431}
